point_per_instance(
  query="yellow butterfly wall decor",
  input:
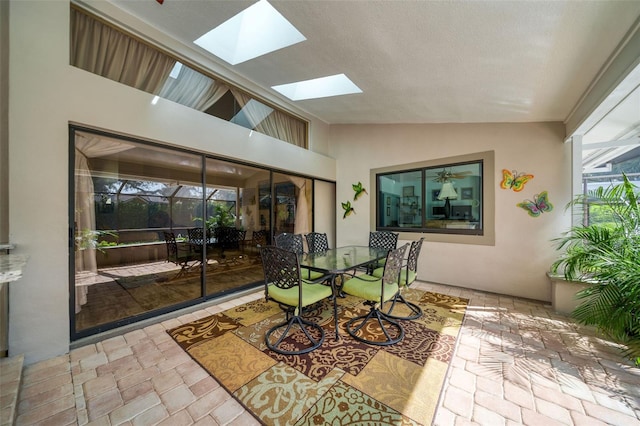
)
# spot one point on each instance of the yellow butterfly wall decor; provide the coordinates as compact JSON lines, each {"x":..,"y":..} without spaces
{"x":346,"y":206}
{"x":357,"y":187}
{"x":514,"y":180}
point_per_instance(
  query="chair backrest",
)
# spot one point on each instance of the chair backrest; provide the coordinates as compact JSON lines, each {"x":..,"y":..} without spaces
{"x":259,"y":238}
{"x":414,"y":252}
{"x":290,"y":242}
{"x":393,"y":265}
{"x":196,"y":235}
{"x":172,"y":246}
{"x":239,"y":235}
{"x":317,"y":242}
{"x":281,"y":267}
{"x":383,"y":239}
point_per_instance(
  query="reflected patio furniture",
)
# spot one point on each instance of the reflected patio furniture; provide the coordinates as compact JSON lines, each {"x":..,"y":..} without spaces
{"x":408,"y":275}
{"x":258,"y":240}
{"x":196,"y":240}
{"x":230,"y":241}
{"x":284,"y":285}
{"x":376,"y":291}
{"x":180,"y":254}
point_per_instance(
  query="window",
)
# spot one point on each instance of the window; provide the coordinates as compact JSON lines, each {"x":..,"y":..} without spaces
{"x":109,"y":52}
{"x":452,"y":196}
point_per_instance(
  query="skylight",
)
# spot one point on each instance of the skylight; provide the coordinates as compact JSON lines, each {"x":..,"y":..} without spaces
{"x":333,"y":85}
{"x":257,"y":30}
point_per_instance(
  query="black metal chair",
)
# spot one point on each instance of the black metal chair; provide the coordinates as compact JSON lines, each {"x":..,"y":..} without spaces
{"x":295,"y":243}
{"x":284,"y":285}
{"x":408,"y":275}
{"x":196,"y":239}
{"x":382,"y":239}
{"x":179,"y":254}
{"x":317,"y":242}
{"x":376,"y":291}
{"x":290,"y":242}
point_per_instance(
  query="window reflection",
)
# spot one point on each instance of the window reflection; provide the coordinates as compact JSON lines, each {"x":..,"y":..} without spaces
{"x":445,"y":198}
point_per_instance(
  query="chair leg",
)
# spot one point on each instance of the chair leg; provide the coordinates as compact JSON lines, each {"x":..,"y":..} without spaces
{"x":416,"y":311}
{"x":304,"y":325}
{"x":381,"y":318}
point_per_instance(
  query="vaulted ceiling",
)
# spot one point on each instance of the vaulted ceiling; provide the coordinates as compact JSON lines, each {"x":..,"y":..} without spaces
{"x":430,"y":61}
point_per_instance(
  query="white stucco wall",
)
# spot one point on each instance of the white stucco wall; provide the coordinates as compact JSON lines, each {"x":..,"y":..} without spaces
{"x":523,"y":250}
{"x":46,"y":93}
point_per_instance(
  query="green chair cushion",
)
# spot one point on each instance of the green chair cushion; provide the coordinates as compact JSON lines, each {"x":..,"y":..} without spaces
{"x":403,"y":275}
{"x":310,"y":275}
{"x":368,"y":288}
{"x":311,"y":293}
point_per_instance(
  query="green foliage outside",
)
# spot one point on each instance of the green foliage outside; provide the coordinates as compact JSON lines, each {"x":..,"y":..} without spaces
{"x":607,"y":254}
{"x":221,"y":216}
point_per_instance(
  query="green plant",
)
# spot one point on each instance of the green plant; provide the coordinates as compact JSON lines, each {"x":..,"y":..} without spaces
{"x":222,"y":216}
{"x":88,"y":239}
{"x":608,"y":256}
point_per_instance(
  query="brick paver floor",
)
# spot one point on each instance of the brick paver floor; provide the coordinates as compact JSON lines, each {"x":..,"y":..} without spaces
{"x":516,"y":362}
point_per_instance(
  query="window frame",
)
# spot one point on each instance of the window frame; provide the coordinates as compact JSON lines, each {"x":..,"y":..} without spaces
{"x":461,"y":236}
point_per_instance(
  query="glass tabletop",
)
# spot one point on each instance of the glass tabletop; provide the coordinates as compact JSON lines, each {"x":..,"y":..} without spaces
{"x":342,"y":259}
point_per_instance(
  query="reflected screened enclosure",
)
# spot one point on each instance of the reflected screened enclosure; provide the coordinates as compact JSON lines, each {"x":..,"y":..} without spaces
{"x":156,"y":228}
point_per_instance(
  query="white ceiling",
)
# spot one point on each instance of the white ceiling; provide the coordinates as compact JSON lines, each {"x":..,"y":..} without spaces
{"x":425,"y":61}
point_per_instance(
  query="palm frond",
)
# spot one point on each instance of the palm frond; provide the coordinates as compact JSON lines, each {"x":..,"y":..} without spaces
{"x":607,"y":255}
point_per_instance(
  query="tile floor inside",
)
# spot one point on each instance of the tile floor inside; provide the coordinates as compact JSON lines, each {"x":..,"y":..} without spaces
{"x":516,"y":362}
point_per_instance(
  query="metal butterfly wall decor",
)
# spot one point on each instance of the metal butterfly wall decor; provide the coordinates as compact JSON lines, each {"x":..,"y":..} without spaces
{"x":359,"y":190}
{"x":514,"y":180}
{"x":539,"y":205}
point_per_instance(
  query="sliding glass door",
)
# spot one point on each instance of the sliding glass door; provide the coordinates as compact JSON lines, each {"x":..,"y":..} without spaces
{"x":156,"y":228}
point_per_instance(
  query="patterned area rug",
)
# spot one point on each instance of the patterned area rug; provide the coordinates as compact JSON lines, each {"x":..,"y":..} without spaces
{"x":342,"y":382}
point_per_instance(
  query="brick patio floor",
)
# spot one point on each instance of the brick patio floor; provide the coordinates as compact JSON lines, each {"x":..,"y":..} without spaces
{"x":516,"y":362}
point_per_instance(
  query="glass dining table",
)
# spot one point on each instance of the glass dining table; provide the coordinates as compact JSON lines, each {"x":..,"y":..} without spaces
{"x":339,"y":261}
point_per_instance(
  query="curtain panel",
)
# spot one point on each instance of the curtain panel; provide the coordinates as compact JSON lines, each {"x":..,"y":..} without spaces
{"x":102,"y":50}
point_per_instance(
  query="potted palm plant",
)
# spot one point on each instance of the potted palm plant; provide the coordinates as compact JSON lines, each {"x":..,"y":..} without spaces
{"x":606,"y":256}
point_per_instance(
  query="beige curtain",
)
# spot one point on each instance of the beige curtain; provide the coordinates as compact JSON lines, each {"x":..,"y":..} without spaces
{"x":283,"y":127}
{"x":276,"y":124}
{"x":302,"y":223}
{"x":102,"y":50}
{"x":192,"y":89}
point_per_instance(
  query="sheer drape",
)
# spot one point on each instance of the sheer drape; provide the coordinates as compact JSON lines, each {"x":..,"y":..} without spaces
{"x":276,"y":124}
{"x":302,"y":223}
{"x":102,"y":50}
{"x":192,"y":89}
{"x":282,"y":127}
{"x":85,"y":214}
